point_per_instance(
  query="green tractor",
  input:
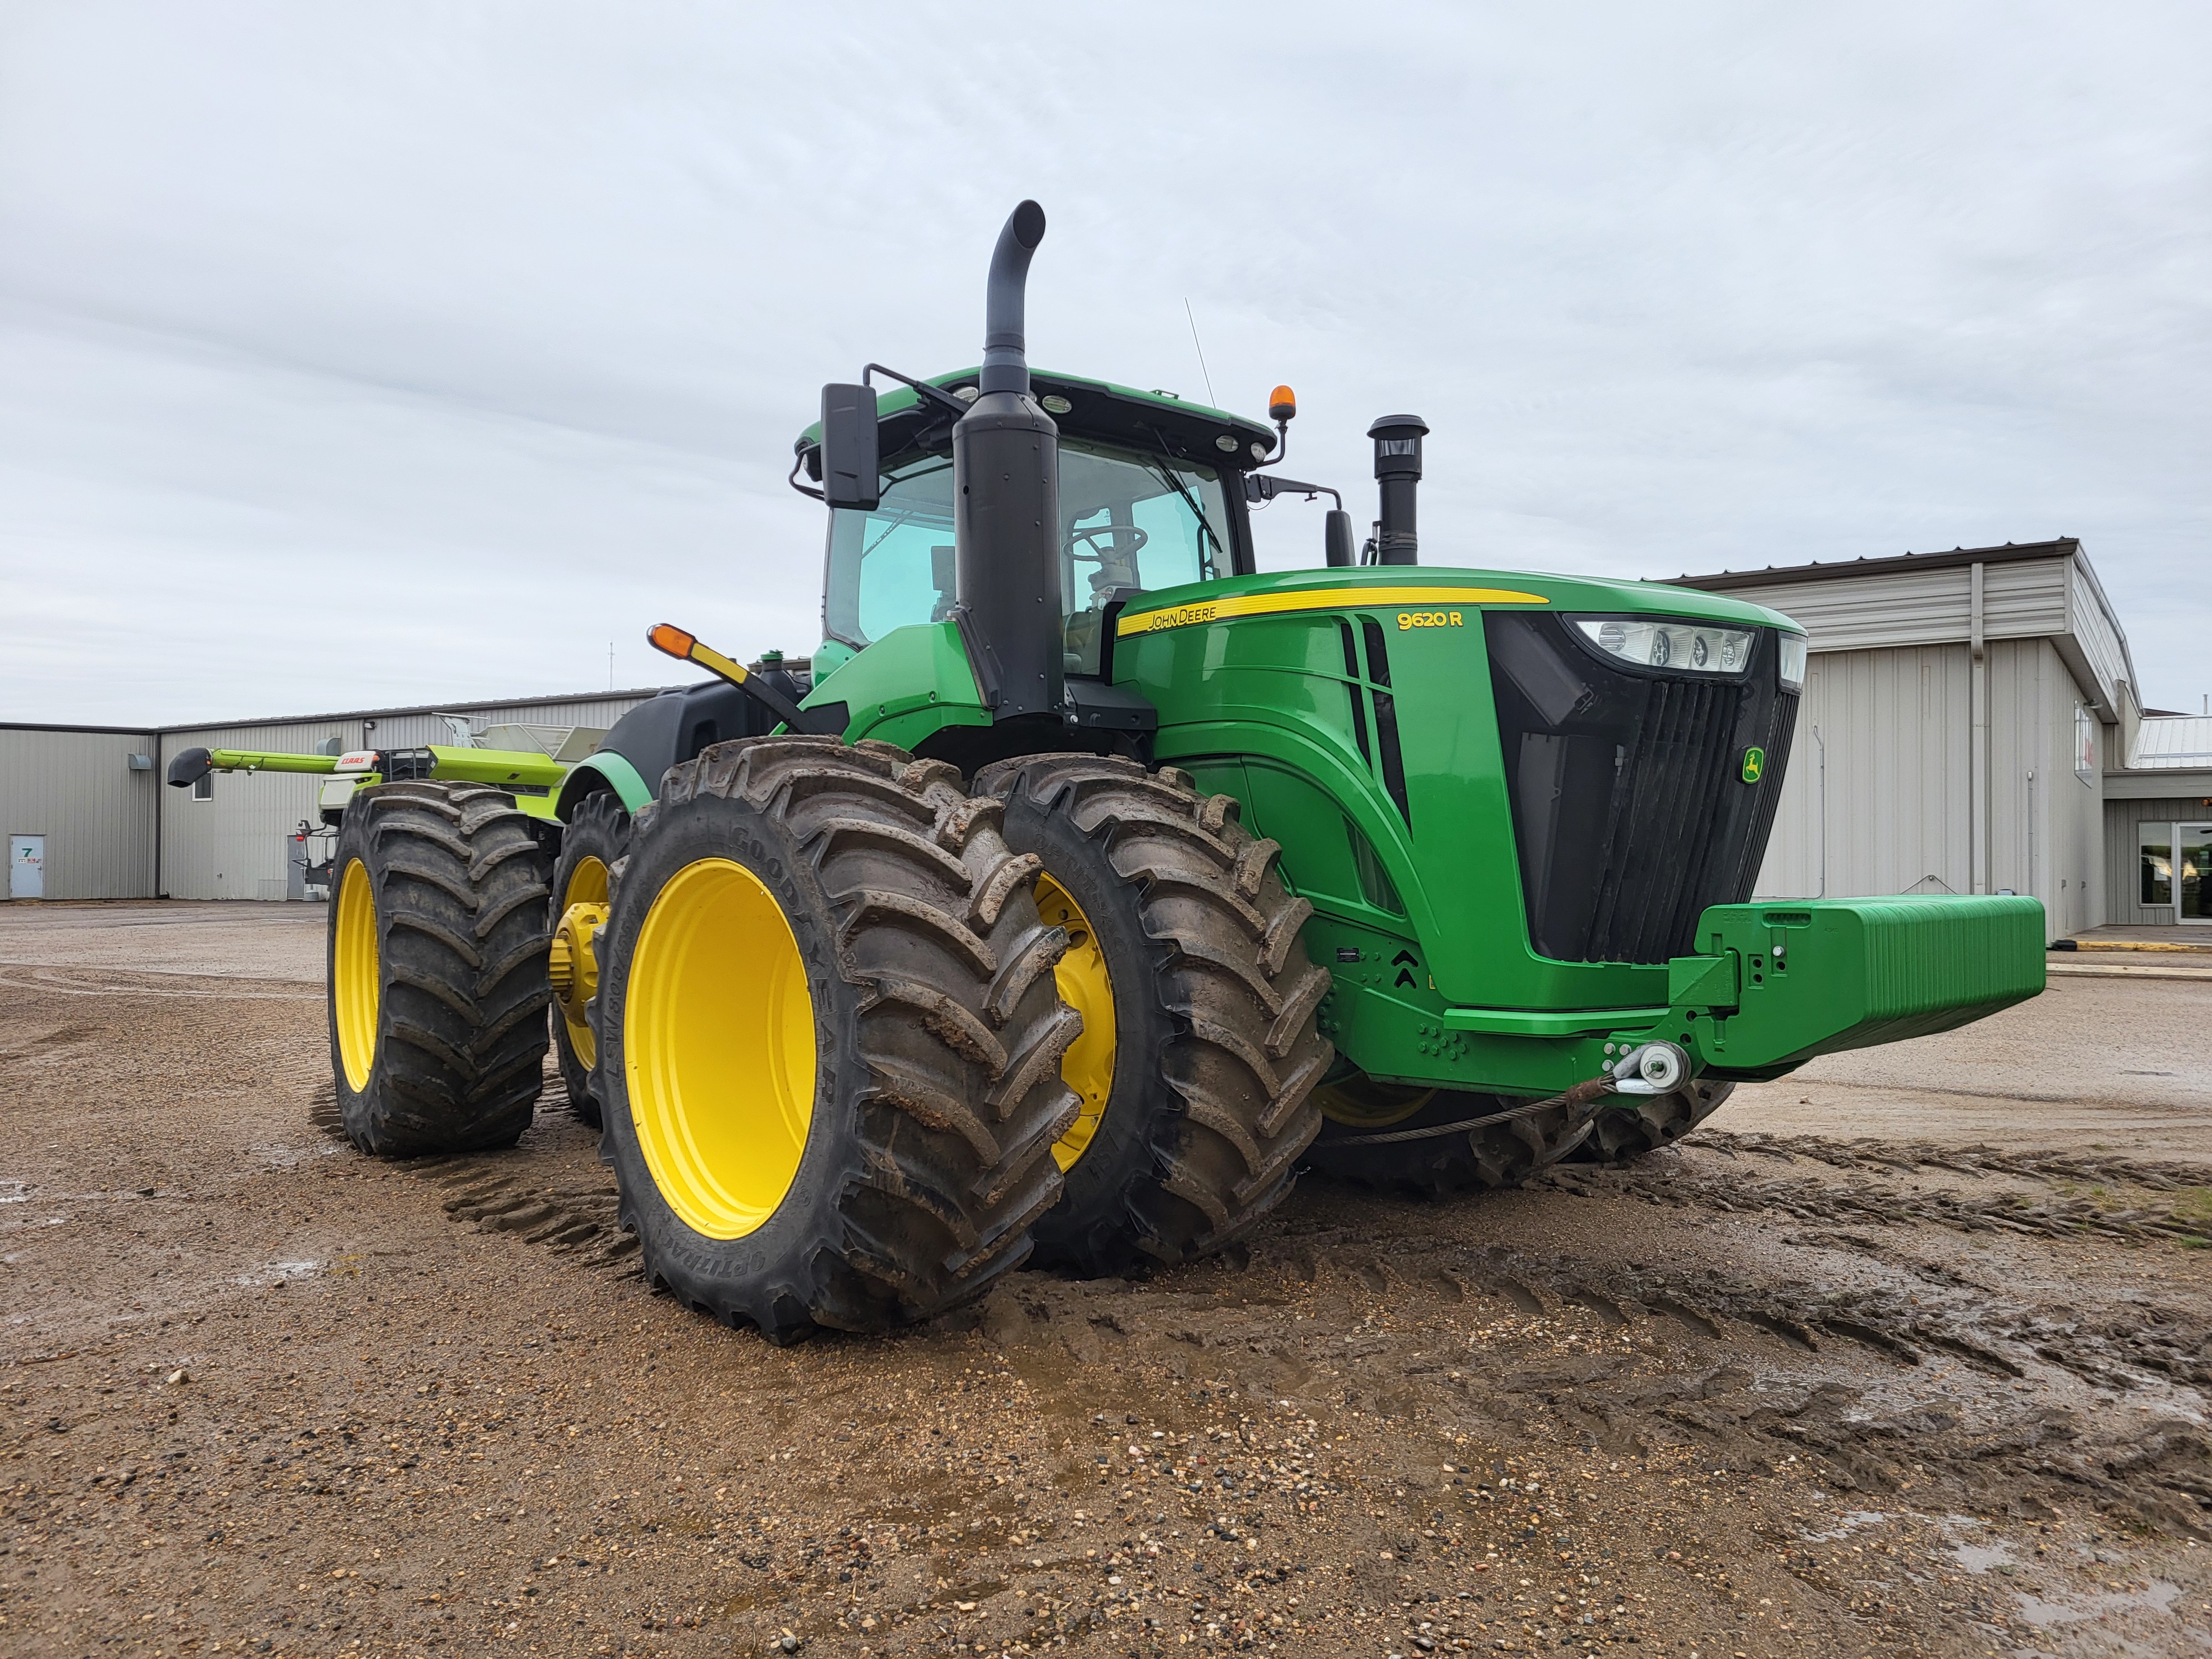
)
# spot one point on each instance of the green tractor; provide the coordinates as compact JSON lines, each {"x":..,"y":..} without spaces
{"x":1089,"y":884}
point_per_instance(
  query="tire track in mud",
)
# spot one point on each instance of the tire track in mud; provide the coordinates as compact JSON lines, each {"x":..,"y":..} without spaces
{"x":2124,"y":1199}
{"x":533,"y":1191}
{"x":1513,"y":1347}
{"x":1837,"y":1364}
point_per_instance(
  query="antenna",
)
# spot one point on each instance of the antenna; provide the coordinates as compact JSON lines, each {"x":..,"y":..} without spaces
{"x":1202,"y":370}
{"x":610,"y":665}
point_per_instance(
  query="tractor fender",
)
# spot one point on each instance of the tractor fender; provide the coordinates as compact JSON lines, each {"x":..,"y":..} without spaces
{"x":597,"y":774}
{"x":666,"y":730}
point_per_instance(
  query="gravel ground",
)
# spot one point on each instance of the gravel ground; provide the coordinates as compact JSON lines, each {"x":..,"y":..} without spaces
{"x":1908,"y":1353}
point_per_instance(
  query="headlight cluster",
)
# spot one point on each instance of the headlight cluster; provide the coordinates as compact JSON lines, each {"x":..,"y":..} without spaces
{"x":1659,"y":642}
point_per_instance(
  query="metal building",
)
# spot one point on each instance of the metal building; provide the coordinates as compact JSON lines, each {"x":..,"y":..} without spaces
{"x":89,"y":803}
{"x":77,"y":803}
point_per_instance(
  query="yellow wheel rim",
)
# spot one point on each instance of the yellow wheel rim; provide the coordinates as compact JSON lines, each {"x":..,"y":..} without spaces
{"x":718,"y":1039}
{"x":587,"y":884}
{"x":1085,"y":986}
{"x":355,"y":972}
{"x":1360,"y":1102}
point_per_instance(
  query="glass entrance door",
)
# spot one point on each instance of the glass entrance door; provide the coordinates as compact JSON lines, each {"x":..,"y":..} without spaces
{"x":2193,"y":872}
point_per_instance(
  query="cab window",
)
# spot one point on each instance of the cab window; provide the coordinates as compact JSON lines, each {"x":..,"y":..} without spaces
{"x":1128,"y":521}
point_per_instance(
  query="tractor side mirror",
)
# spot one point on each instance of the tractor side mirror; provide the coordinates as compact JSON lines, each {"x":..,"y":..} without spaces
{"x":1336,"y":538}
{"x":849,"y":473}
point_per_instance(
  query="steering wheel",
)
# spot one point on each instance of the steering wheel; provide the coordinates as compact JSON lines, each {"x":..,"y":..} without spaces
{"x":1090,"y":534}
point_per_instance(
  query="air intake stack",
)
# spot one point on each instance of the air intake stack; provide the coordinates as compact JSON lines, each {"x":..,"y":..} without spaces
{"x":1005,"y":480}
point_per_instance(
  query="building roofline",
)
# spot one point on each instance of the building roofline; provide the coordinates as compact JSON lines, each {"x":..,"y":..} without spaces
{"x":1723,"y":581}
{"x":2059,"y":547}
{"x":91,"y":731}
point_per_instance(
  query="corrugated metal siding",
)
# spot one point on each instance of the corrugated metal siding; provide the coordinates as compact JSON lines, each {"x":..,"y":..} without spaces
{"x":2044,"y":830}
{"x":233,"y":846}
{"x":1906,"y":607}
{"x":1894,"y":726}
{"x":2019,"y":599}
{"x":2098,"y":632}
{"x":76,"y":789}
{"x":2024,"y":599}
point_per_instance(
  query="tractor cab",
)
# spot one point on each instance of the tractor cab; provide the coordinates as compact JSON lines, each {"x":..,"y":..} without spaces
{"x":1153,"y":495}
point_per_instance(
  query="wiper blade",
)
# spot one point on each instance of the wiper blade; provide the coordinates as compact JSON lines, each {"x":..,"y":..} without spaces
{"x":1167,"y":476}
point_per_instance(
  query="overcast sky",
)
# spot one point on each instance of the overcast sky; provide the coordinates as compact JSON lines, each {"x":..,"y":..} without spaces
{"x":392,"y":353}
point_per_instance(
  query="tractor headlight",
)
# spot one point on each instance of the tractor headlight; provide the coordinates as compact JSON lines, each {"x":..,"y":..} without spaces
{"x":1793,"y":660}
{"x":1682,"y":646}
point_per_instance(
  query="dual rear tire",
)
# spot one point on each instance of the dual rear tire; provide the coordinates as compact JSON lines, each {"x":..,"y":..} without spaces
{"x":436,"y":961}
{"x":866,"y":1040}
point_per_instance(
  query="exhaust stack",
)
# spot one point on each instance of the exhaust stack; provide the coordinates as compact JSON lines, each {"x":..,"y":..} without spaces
{"x":1398,"y":469}
{"x":1006,"y":482}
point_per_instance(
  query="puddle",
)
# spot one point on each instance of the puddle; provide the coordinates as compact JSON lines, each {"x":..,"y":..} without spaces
{"x":1977,"y":1558}
{"x":2160,"y":1598}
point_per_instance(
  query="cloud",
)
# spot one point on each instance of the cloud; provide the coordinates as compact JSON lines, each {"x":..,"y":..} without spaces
{"x":412,"y":353}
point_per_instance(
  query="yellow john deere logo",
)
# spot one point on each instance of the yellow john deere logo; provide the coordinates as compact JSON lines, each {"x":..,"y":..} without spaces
{"x":1754,"y":763}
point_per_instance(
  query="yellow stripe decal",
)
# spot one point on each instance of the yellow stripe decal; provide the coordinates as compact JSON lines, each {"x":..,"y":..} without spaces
{"x":1319,"y":598}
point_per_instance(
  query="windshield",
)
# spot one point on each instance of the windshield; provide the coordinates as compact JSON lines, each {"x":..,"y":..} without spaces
{"x":1128,"y":521}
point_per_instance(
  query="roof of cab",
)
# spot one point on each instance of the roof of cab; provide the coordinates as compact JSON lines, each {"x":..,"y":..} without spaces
{"x":1097,"y":409}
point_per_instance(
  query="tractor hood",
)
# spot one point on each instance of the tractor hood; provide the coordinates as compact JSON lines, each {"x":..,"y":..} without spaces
{"x":1543,"y":780}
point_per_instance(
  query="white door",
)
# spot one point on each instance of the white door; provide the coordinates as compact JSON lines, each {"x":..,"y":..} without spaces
{"x":27,"y":866}
{"x":2193,"y":872}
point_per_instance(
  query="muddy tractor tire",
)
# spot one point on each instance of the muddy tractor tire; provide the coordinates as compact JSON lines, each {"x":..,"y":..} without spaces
{"x":1199,"y":1053}
{"x":438,"y":938}
{"x":828,"y":1036}
{"x":597,"y":838}
{"x":1628,"y":1126}
{"x":1352,"y":1146}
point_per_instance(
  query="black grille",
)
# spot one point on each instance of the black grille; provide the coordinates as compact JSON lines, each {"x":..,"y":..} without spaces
{"x":1630,"y":809}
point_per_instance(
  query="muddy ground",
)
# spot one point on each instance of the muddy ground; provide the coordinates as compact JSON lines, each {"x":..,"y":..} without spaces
{"x":1906,"y":1354}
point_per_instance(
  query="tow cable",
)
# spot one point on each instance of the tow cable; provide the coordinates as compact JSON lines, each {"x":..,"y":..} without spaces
{"x":1652,"y":1068}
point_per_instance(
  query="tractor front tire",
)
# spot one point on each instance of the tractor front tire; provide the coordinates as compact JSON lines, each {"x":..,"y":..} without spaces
{"x":830,"y":1040}
{"x":596,"y":839}
{"x":1492,"y":1157}
{"x":1198,"y":1107}
{"x":1631,"y":1125}
{"x":437,"y":996}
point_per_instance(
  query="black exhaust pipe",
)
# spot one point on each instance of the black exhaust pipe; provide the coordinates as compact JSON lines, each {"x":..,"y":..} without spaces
{"x":1005,"y":480}
{"x":1398,"y":469}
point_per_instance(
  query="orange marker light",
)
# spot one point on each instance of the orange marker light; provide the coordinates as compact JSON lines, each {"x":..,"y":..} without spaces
{"x":1282,"y":403}
{"x":666,"y":636}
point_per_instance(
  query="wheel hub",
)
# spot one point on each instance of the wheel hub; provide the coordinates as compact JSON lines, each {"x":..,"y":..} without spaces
{"x":573,"y":964}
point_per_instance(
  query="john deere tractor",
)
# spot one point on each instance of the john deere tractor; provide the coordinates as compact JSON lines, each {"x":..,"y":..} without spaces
{"x":1090,"y":884}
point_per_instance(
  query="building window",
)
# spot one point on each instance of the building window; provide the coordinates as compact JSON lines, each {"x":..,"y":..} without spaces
{"x":203,"y":789}
{"x":2085,"y":745}
{"x":2157,"y":843}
